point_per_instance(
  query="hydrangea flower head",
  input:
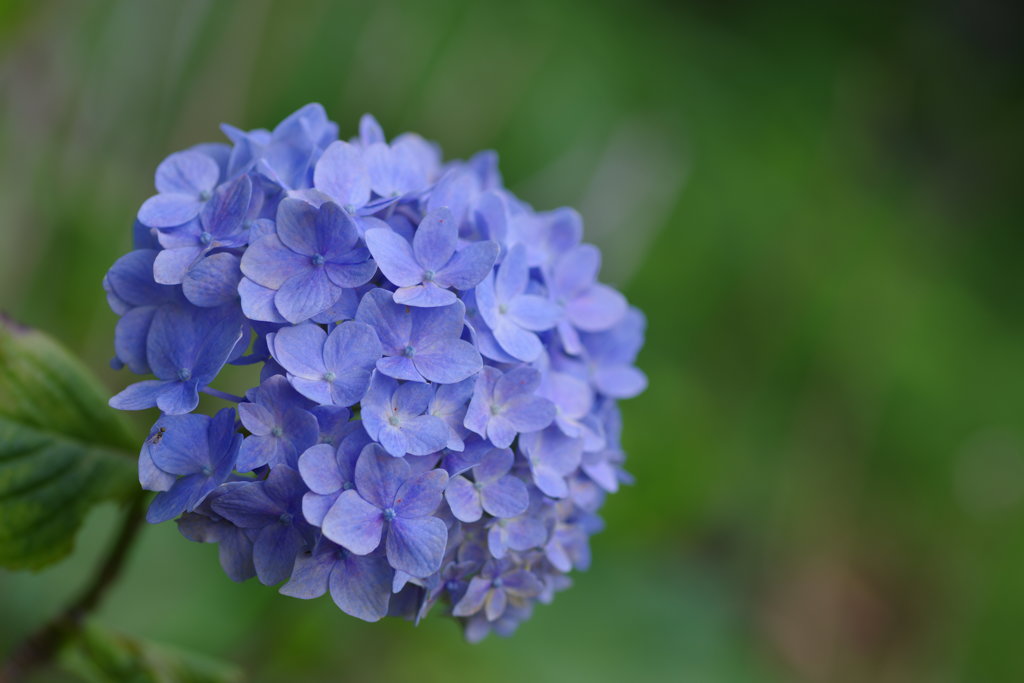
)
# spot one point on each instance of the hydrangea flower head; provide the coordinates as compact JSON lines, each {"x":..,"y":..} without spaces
{"x":434,"y":421}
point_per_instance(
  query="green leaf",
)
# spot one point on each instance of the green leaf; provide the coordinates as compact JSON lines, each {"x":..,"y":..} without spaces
{"x":103,"y":656}
{"x":62,"y":449}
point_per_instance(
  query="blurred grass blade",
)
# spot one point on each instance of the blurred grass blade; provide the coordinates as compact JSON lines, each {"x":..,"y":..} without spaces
{"x":103,"y":656}
{"x":62,"y":449}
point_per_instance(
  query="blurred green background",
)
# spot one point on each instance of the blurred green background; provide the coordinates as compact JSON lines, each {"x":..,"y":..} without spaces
{"x":817,"y":207}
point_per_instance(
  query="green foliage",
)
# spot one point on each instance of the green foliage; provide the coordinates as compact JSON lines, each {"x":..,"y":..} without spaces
{"x":61,"y":448}
{"x":103,"y":656}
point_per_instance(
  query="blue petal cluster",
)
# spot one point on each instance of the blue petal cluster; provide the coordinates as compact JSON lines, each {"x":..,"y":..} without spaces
{"x":435,"y":418}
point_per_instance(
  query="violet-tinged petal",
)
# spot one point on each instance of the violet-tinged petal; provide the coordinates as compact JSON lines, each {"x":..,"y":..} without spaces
{"x":274,"y":552}
{"x":319,"y":469}
{"x":399,"y":367}
{"x":268,"y":262}
{"x":187,"y":172}
{"x":299,"y":350}
{"x":432,"y":325}
{"x":361,"y":586}
{"x":315,"y":506}
{"x":416,"y":546}
{"x":426,"y":295}
{"x":305,"y":295}
{"x":412,"y":399}
{"x":529,"y":413}
{"x":215,"y":334}
{"x":354,"y":524}
{"x":341,"y":174}
{"x":248,"y":506}
{"x":420,"y":495}
{"x":167,"y":505}
{"x":394,"y":257}
{"x":391,"y":322}
{"x":378,"y":476}
{"x":506,"y":497}
{"x":130,"y":336}
{"x":297,"y":226}
{"x":424,"y":434}
{"x":464,"y":500}
{"x":435,"y":239}
{"x":352,"y":347}
{"x":516,"y":341}
{"x":495,"y":604}
{"x":223,"y":215}
{"x":521,"y":583}
{"x":512,"y":275}
{"x":256,"y":418}
{"x":342,"y":309}
{"x":494,"y":464}
{"x":178,"y":398}
{"x":151,"y":477}
{"x":131,"y":279}
{"x":213,"y":281}
{"x":310,"y":575}
{"x":599,"y":308}
{"x":448,"y":361}
{"x":534,"y":313}
{"x":620,"y":381}
{"x":577,"y":269}
{"x":473,"y":600}
{"x":315,"y":389}
{"x":469,"y":266}
{"x":370,"y":130}
{"x":183,"y":446}
{"x":518,"y":381}
{"x":524,"y":532}
{"x":501,"y":432}
{"x":394,"y":440}
{"x":352,"y":274}
{"x":169,"y":210}
{"x":171,"y":265}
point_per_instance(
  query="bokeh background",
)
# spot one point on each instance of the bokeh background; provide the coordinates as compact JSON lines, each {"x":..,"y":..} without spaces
{"x":818,"y":207}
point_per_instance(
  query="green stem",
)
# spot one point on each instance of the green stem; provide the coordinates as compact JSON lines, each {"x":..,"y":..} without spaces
{"x":40,"y":647}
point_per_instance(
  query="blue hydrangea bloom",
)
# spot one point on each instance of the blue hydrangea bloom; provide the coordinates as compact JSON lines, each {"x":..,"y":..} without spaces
{"x":419,"y":344}
{"x":388,"y":496}
{"x":310,"y":259}
{"x":431,"y":420}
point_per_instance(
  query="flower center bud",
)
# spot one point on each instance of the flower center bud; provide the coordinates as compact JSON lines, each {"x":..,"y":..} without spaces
{"x":285,"y":519}
{"x":329,"y":376}
{"x":393,"y":420}
{"x":184,"y":374}
{"x":409,"y":352}
{"x":389,"y":514}
{"x":428,"y":276}
{"x":502,"y":309}
{"x":276,"y":431}
{"x":347,"y":486}
{"x":495,"y":409}
{"x":478,"y":485}
{"x":318,"y":259}
{"x":205,"y":237}
{"x":498,"y":582}
{"x":207,"y":471}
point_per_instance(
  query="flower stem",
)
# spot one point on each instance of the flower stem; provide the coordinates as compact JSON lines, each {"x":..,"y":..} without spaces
{"x":40,"y":647}
{"x":222,"y":394}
